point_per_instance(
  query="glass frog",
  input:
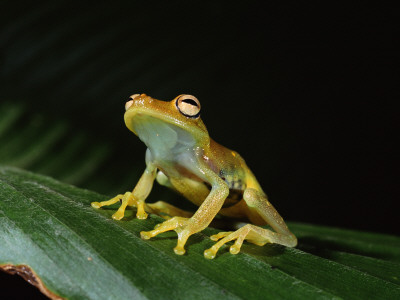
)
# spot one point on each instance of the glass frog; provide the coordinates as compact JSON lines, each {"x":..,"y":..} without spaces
{"x":181,"y":155}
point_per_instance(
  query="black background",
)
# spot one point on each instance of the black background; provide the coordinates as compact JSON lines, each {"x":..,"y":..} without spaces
{"x":305,"y":94}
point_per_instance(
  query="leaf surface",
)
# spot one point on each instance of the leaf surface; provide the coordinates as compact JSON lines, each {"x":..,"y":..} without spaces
{"x":81,"y":253}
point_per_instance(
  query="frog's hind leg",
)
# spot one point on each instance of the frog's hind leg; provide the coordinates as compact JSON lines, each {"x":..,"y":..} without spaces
{"x":252,"y":233}
{"x":166,"y":210}
{"x":256,"y":201}
{"x":163,"y":180}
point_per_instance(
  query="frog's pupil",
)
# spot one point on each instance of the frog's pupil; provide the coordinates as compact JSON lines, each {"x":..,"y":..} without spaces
{"x":190,"y":101}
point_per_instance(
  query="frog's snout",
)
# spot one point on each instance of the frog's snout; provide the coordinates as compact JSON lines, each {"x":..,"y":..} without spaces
{"x":134,"y":98}
{"x":128,"y":104}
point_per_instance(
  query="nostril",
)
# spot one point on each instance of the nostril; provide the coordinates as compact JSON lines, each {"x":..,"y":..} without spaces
{"x":132,"y":97}
{"x":128,"y":104}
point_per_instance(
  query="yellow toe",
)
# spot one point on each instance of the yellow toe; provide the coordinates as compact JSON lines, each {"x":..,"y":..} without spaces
{"x":210,"y":253}
{"x":141,"y":215}
{"x":145,"y":235}
{"x":118,"y":215}
{"x":234,"y":249}
{"x":95,"y":204}
{"x":219,"y":236}
{"x":179,"y":250}
{"x":214,"y":238}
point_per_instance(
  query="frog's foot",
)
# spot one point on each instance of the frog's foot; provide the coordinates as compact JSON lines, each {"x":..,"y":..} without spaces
{"x":252,"y":233}
{"x":108,"y":202}
{"x":180,"y":225}
{"x":166,"y":210}
{"x":126,"y":199}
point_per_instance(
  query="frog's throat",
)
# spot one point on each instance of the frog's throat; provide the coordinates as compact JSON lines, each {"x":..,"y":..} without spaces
{"x":201,"y":135}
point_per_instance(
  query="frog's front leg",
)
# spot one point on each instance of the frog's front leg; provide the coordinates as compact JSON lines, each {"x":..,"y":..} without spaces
{"x":136,"y":198}
{"x":185,"y":227}
{"x":252,"y":233}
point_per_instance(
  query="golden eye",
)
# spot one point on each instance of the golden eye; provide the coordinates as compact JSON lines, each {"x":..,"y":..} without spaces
{"x":188,"y":106}
{"x":130,"y":101}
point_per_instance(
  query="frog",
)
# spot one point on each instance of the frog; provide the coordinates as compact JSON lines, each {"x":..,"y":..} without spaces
{"x":181,"y":156}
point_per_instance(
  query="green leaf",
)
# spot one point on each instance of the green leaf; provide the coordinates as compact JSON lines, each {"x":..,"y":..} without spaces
{"x":34,"y":141}
{"x":78,"y":252}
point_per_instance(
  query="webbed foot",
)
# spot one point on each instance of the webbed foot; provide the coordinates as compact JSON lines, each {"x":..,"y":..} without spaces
{"x":180,"y":225}
{"x":126,"y":199}
{"x":252,"y":233}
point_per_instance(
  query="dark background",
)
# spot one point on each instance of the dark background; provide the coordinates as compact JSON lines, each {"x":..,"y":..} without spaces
{"x":305,"y":94}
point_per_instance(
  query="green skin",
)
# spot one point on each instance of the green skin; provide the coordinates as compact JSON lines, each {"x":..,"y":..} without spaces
{"x":211,"y":176}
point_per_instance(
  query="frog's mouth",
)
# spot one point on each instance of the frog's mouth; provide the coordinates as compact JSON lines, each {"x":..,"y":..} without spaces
{"x":160,"y":135}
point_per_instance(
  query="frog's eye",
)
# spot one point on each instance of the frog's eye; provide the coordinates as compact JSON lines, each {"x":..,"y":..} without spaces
{"x":130,"y":101}
{"x":188,"y":106}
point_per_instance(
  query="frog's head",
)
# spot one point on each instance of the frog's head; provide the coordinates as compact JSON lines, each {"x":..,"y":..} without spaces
{"x":163,"y":124}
